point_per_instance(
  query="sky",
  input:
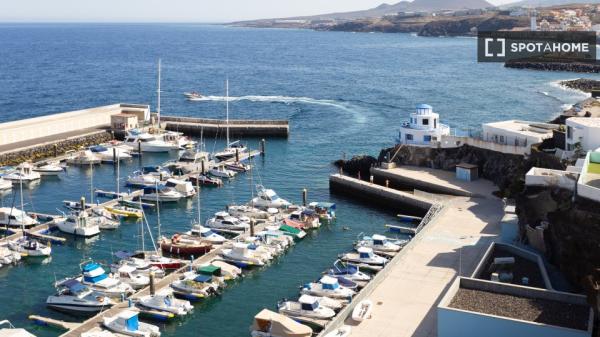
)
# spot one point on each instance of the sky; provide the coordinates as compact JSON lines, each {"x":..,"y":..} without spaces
{"x":174,"y":10}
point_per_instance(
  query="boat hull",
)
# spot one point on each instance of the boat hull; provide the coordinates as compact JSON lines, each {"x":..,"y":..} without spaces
{"x":184,"y":249}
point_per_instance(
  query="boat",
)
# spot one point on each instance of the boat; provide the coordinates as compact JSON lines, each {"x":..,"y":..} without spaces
{"x":5,"y":185}
{"x":364,"y":255}
{"x":137,"y":140}
{"x":238,"y":167}
{"x":294,"y":232}
{"x":271,"y":324}
{"x":228,"y":271}
{"x":343,"y":331}
{"x":205,"y":180}
{"x":95,"y":277}
{"x":206,"y":234}
{"x":177,"y":139}
{"x":194,"y":286}
{"x":156,"y":171}
{"x":241,"y":256}
{"x":193,"y":157}
{"x":11,"y":331}
{"x":162,"y":262}
{"x":362,"y":310}
{"x":347,"y":283}
{"x":127,"y":273}
{"x":325,"y":211}
{"x":223,"y":220}
{"x":193,"y":95}
{"x":78,"y":224}
{"x":74,"y":297}
{"x":29,"y":247}
{"x":13,"y":218}
{"x":52,"y":168}
{"x":307,"y":217}
{"x":24,"y":173}
{"x":8,"y":256}
{"x":142,"y":180}
{"x":221,"y":172}
{"x":110,"y":154}
{"x":232,"y":150}
{"x":247,"y":211}
{"x":185,"y":245}
{"x":124,"y":211}
{"x":160,"y":194}
{"x":307,"y":306}
{"x":140,"y":267}
{"x":165,"y":301}
{"x":331,"y":303}
{"x":85,"y":157}
{"x":329,"y":287}
{"x":349,"y":272}
{"x":267,"y":198}
{"x":184,"y":187}
{"x":127,"y":323}
{"x":380,"y":243}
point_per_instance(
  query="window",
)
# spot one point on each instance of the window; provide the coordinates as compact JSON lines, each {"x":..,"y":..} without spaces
{"x":425,"y":121}
{"x":435,"y":123}
{"x":569,"y":132}
{"x":427,"y":139}
{"x":501,"y":139}
{"x":409,"y":136}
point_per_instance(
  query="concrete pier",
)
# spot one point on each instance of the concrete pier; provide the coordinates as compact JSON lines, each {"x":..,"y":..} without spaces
{"x":237,"y":128}
{"x":424,"y":179}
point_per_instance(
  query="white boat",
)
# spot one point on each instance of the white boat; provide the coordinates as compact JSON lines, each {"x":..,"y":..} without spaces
{"x":146,"y":142}
{"x":127,"y":323}
{"x":166,"y":302}
{"x":247,"y":211}
{"x":110,"y":154}
{"x":184,"y":187}
{"x":240,"y":255}
{"x":78,"y":224}
{"x":259,"y":249}
{"x":192,"y":95}
{"x":23,"y":173}
{"x":207,"y":234}
{"x":8,"y":256}
{"x":331,"y":303}
{"x":157,"y":171}
{"x":5,"y":185}
{"x":11,"y":331}
{"x":379,"y":243}
{"x":307,"y":306}
{"x":221,"y":172}
{"x":96,"y":278}
{"x":329,"y":287}
{"x":193,"y":156}
{"x":161,"y":194}
{"x":223,"y":220}
{"x":142,"y":180}
{"x":349,"y":272}
{"x":229,"y":271}
{"x":307,"y":217}
{"x":85,"y":157}
{"x":30,"y":247}
{"x":271,"y":324}
{"x":194,"y":286}
{"x":177,"y":139}
{"x":230,"y":151}
{"x":127,"y":274}
{"x":267,"y":198}
{"x":52,"y":168}
{"x":362,"y":310}
{"x":343,"y":331}
{"x":74,"y":297}
{"x":14,"y":218}
{"x":364,"y":255}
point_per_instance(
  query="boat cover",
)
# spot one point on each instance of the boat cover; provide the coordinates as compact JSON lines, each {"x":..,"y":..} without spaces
{"x":203,"y":278}
{"x":98,"y":148}
{"x":210,"y":270}
{"x":280,"y":325}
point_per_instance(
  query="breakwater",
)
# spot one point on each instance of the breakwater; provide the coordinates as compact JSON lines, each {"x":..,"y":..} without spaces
{"x":216,"y":127}
{"x":578,"y":67}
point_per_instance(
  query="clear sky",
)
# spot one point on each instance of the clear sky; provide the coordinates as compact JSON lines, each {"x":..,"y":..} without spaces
{"x":174,"y":10}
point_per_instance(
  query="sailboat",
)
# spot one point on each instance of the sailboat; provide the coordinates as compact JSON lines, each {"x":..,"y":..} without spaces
{"x":232,"y":148}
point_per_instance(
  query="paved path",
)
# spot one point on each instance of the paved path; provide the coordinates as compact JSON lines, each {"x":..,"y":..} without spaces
{"x":8,"y":148}
{"x":406,"y":301}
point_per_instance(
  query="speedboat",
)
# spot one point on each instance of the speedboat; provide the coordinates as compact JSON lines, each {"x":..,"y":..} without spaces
{"x":194,"y":286}
{"x":146,"y":142}
{"x":380,"y":243}
{"x":161,"y":194}
{"x":204,"y":180}
{"x":241,"y":256}
{"x":124,"y":211}
{"x":193,"y":156}
{"x":156,"y":171}
{"x":110,"y":154}
{"x":24,"y":173}
{"x":329,"y":287}
{"x":30,"y":247}
{"x":307,"y":306}
{"x":13,"y":218}
{"x":221,"y":172}
{"x":185,"y":245}
{"x":247,"y":211}
{"x":267,"y":198}
{"x":142,"y":180}
{"x":349,"y":272}
{"x":165,"y":302}
{"x":366,"y":256}
{"x":178,"y":139}
{"x":222,"y":220}
{"x":184,"y":187}
{"x":85,"y":157}
{"x":52,"y":168}
{"x":271,"y":324}
{"x":74,"y":297}
{"x":5,"y":185}
{"x":127,"y":323}
{"x":95,"y":277}
{"x":11,"y":331}
{"x":127,"y":274}
{"x":193,"y":95}
{"x":206,"y":234}
{"x":78,"y":224}
{"x":231,"y":150}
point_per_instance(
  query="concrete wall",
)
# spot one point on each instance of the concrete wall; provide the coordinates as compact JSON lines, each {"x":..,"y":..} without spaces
{"x":583,"y":189}
{"x":457,"y":141}
{"x":546,"y":177}
{"x":588,"y":136}
{"x":498,"y":134}
{"x":382,"y":174}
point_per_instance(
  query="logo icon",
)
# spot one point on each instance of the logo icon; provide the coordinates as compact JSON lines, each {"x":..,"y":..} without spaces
{"x":488,"y":41}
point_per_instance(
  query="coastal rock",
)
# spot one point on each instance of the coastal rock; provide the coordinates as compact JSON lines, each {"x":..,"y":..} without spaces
{"x":577,"y":67}
{"x":357,"y":164}
{"x":582,"y":84}
{"x":470,"y":25}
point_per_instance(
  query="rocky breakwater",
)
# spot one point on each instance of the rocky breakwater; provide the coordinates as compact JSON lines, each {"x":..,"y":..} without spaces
{"x":582,"y":84}
{"x":471,"y":25}
{"x":357,"y":165}
{"x":554,"y":65}
{"x":43,"y":151}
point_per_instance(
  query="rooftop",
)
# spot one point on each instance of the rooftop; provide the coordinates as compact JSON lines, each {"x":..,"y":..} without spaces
{"x":524,"y":127}
{"x":585,"y":121}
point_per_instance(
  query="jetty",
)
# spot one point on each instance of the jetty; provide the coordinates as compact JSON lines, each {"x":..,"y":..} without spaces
{"x":215,"y":127}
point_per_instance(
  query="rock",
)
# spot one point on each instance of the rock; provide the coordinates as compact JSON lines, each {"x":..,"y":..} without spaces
{"x":578,"y":67}
{"x":582,"y":84}
{"x":357,"y":164}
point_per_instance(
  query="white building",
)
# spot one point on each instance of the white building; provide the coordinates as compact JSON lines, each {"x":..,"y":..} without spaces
{"x":517,"y":133}
{"x":588,"y":185}
{"x":584,"y":131}
{"x":423,"y":128}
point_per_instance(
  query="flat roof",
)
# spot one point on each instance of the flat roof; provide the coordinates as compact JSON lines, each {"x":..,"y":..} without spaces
{"x":585,"y":121}
{"x":524,"y":127}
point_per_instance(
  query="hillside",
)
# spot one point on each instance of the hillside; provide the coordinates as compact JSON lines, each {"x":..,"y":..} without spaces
{"x":547,"y":3}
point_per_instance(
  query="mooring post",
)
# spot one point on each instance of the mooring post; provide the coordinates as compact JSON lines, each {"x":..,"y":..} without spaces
{"x":114,"y":155}
{"x":203,"y":169}
{"x":140,"y":149}
{"x":304,"y":197}
{"x":371,"y":179}
{"x":387,"y":183}
{"x":358,"y":175}
{"x":252,"y":223}
{"x":82,"y":201}
{"x":237,"y":155}
{"x":262,"y":147}
{"x":55,"y":150}
{"x":152,"y":290}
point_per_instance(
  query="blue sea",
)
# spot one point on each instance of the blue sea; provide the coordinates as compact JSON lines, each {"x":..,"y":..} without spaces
{"x":343,"y":93}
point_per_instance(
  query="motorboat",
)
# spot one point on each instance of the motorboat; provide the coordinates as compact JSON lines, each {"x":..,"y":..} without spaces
{"x":194,"y":286}
{"x":232,"y":150}
{"x":192,"y":156}
{"x":275,"y":239}
{"x":142,"y":180}
{"x":185,"y":245}
{"x":221,"y":172}
{"x":24,"y":173}
{"x":380,"y":243}
{"x":184,"y":187}
{"x":215,"y":272}
{"x":364,"y":255}
{"x":143,"y":265}
{"x":247,"y":211}
{"x":8,"y":256}
{"x":156,"y":260}
{"x":267,"y":198}
{"x":206,"y":234}
{"x":85,"y":157}
{"x":127,"y":323}
{"x":228,"y":271}
{"x":95,"y":277}
{"x":110,"y":154}
{"x":5,"y":185}
{"x":124,"y":211}
{"x":52,"y":168}
{"x":205,"y":180}
{"x":177,"y":139}
{"x":146,"y":142}
{"x":331,"y":303}
{"x":259,"y":249}
{"x":307,"y":306}
{"x":307,"y":217}
{"x":161,"y":194}
{"x":348,"y":283}
{"x":223,"y":220}
{"x":29,"y":247}
{"x":349,"y":272}
{"x":13,"y":218}
{"x":238,"y":167}
{"x":296,"y":233}
{"x":156,"y":171}
{"x":271,"y":324}
{"x":11,"y":331}
{"x":325,"y":210}
{"x":74,"y":297}
{"x":78,"y":224}
{"x":128,"y":274}
{"x":241,"y":256}
{"x":193,"y":95}
{"x":165,"y":301}
{"x":329,"y":287}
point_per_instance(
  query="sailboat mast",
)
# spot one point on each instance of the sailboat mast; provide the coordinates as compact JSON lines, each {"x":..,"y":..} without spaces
{"x":22,"y":203}
{"x":91,"y":185}
{"x":158,"y":95}
{"x":158,"y":209}
{"x":118,"y":175}
{"x":227,"y":108}
{"x":198,"y":195}
{"x":142,"y":225}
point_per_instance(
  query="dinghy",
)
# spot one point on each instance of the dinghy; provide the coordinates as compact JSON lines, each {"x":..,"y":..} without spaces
{"x":362,"y":310}
{"x":127,"y":323}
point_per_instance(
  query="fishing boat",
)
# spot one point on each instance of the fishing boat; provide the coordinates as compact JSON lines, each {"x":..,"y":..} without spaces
{"x":137,"y":140}
{"x":78,"y":224}
{"x":160,"y":194}
{"x":184,"y":187}
{"x":142,"y":180}
{"x":267,"y":198}
{"x":110,"y":154}
{"x":85,"y":157}
{"x":380,"y":243}
{"x":165,"y":301}
{"x":362,"y":310}
{"x":193,"y":95}
{"x":327,"y":286}
{"x":307,"y":217}
{"x":24,"y":173}
{"x":128,"y":274}
{"x":364,"y":255}
{"x":194,"y":286}
{"x":349,"y":272}
{"x":221,"y":172}
{"x":74,"y":297}
{"x":127,"y":323}
{"x":241,"y":256}
{"x":223,"y":220}
{"x":5,"y":185}
{"x":204,"y":180}
{"x":307,"y":306}
{"x":29,"y":247}
{"x":11,"y":331}
{"x":206,"y":234}
{"x":247,"y":211}
{"x":124,"y":211}
{"x":95,"y":277}
{"x":185,"y":245}
{"x":52,"y":168}
{"x":325,"y":210}
{"x":13,"y":218}
{"x":270,"y":324}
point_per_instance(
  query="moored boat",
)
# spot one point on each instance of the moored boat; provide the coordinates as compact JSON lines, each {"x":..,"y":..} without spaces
{"x":52,"y":168}
{"x":327,"y":286}
{"x":267,"y":198}
{"x":127,"y":323}
{"x":74,"y":297}
{"x":184,"y":245}
{"x":307,"y":306}
{"x":205,"y":180}
{"x":24,"y":173}
{"x":165,"y":301}
{"x":271,"y":324}
{"x":364,"y":255}
{"x":78,"y":224}
{"x":96,"y":278}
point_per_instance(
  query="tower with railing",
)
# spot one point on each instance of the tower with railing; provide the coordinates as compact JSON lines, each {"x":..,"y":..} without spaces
{"x":423,"y":128}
